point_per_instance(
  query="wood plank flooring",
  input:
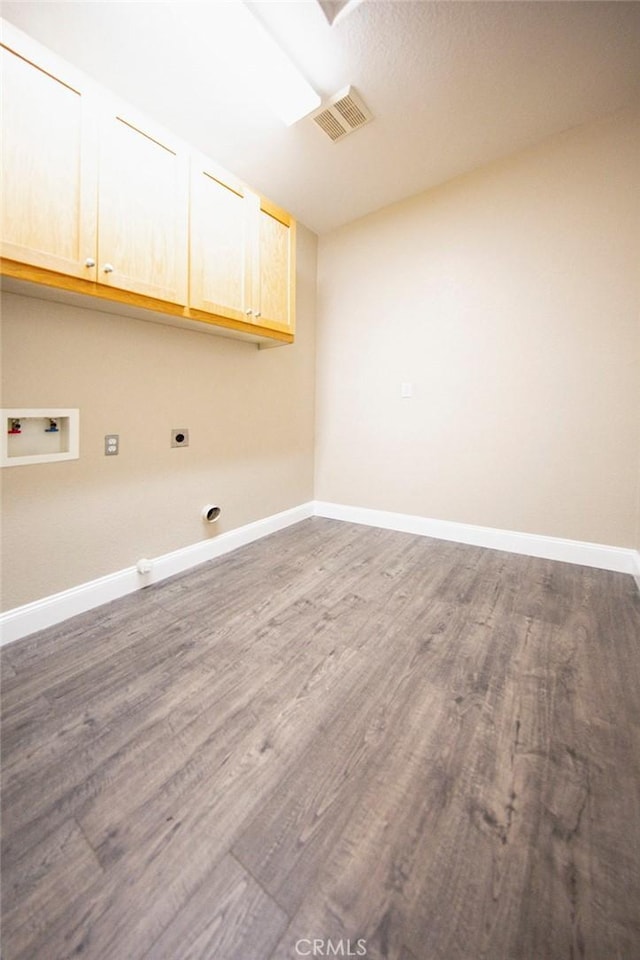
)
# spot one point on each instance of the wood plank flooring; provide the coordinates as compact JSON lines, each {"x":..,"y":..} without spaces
{"x":337,"y":741}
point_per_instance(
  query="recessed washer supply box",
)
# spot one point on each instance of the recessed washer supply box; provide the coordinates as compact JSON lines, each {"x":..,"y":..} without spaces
{"x":39,"y":436}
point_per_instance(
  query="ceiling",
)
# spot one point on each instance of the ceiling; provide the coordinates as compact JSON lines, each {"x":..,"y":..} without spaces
{"x":451,"y":85}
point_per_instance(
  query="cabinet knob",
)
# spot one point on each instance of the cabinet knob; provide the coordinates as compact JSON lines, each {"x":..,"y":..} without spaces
{"x":108,"y":268}
{"x":89,"y":262}
{"x":258,"y":313}
{"x":249,"y":312}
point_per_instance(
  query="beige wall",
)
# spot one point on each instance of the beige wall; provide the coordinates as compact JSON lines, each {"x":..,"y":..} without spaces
{"x":509,"y":298}
{"x":250,"y":414}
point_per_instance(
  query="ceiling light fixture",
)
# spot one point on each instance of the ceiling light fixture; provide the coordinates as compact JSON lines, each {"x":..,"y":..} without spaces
{"x":264,"y":64}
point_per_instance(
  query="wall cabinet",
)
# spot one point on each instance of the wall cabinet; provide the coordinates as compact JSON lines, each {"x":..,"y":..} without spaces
{"x":99,"y":201}
{"x":242,"y":257}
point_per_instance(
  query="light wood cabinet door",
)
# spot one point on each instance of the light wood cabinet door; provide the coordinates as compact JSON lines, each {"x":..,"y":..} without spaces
{"x":49,"y":163}
{"x":220,"y":278}
{"x":275,"y":290}
{"x":142,"y":209}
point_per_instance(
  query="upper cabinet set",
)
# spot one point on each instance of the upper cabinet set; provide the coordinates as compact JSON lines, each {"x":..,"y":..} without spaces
{"x":97,"y":200}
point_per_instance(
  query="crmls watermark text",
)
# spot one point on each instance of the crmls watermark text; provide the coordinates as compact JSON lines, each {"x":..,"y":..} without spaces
{"x":319,"y":947}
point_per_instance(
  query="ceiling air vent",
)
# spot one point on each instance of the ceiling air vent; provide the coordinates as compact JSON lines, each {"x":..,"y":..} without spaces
{"x":343,"y":114}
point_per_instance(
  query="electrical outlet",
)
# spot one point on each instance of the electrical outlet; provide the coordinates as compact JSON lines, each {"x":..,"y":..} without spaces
{"x":180,"y":437}
{"x":112,"y":444}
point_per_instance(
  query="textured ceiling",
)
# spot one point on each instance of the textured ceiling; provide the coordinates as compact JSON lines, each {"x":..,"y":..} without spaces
{"x":451,"y":85}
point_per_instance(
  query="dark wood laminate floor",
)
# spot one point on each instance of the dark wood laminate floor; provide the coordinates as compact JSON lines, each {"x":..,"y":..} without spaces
{"x":419,"y":749}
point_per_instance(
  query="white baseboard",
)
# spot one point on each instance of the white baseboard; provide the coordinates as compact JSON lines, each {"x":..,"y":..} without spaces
{"x":22,"y":621}
{"x":636,"y":570}
{"x":599,"y":555}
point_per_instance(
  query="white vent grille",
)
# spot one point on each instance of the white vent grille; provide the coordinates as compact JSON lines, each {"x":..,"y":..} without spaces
{"x":343,"y":114}
{"x":331,"y":126}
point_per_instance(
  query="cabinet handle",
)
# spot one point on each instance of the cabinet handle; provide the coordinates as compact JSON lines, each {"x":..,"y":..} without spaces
{"x":249,"y":312}
{"x":258,"y":313}
{"x":108,"y":268}
{"x":89,"y":262}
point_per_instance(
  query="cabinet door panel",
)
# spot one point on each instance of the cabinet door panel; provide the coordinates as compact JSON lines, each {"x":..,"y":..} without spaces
{"x":276,"y":232}
{"x":142,"y":220}
{"x":220,"y":245}
{"x":48,"y":170}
